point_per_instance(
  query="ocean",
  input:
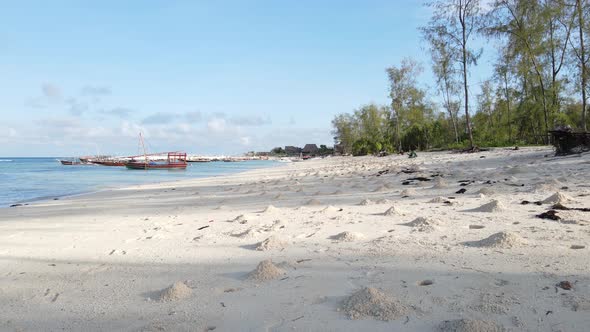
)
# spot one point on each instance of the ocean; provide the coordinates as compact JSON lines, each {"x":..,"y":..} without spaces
{"x":29,"y":179}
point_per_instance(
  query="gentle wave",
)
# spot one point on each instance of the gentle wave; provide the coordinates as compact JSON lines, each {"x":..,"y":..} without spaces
{"x":5,"y":160}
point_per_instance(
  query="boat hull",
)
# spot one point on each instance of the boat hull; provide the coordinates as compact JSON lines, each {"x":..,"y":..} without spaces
{"x":110,"y":163}
{"x":136,"y":165}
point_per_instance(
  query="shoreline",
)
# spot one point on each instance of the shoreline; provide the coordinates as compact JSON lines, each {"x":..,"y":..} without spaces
{"x":185,"y":255}
{"x":46,"y":198}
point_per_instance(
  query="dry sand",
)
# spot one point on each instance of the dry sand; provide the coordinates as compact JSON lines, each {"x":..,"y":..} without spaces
{"x":96,"y":262}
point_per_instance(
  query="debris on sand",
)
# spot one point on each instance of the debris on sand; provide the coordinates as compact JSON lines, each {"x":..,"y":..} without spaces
{"x":503,"y":240}
{"x":392,"y":211}
{"x":365,"y":202}
{"x":551,"y":215}
{"x":558,"y":197}
{"x":347,"y":237}
{"x":242,"y":219}
{"x":178,"y":291}
{"x":422,"y":224}
{"x":577,"y":246}
{"x":270,"y":243}
{"x":329,"y":209}
{"x":566,"y":285}
{"x":370,"y":302}
{"x":470,"y":325}
{"x":493,"y":206}
{"x":265,"y":271}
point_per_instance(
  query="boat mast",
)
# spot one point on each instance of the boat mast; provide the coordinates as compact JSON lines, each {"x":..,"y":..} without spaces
{"x":144,"y":153}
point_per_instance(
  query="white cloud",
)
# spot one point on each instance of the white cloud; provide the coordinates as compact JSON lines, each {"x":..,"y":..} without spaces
{"x":245,"y":140}
{"x":216,"y":125}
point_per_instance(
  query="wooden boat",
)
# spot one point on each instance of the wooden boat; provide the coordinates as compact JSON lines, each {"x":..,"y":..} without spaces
{"x":69,"y":162}
{"x":174,"y":160}
{"x":110,"y":162}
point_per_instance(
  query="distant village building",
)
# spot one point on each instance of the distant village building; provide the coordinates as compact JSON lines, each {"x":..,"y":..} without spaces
{"x":310,"y":149}
{"x":292,"y":150}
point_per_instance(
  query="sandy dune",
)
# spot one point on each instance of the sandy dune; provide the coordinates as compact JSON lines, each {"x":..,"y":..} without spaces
{"x":457,"y":252}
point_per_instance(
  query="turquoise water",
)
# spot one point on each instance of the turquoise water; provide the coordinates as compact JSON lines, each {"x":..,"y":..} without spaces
{"x":29,"y":179}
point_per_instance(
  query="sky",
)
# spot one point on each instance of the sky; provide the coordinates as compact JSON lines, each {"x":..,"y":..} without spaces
{"x":207,"y":77}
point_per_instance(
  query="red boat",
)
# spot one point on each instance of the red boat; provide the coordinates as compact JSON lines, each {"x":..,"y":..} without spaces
{"x":175,"y":160}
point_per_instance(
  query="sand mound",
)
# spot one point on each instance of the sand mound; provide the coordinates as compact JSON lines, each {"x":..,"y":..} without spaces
{"x":548,"y":186}
{"x":504,"y":240}
{"x":370,"y":302}
{"x":270,"y":244}
{"x":366,"y":201}
{"x":270,"y":209}
{"x":313,"y":202}
{"x":493,"y":206}
{"x":265,"y":271}
{"x":486,"y":191}
{"x":558,"y":197}
{"x":440,"y":183}
{"x":392,"y":211}
{"x":178,"y":291}
{"x":438,"y":199}
{"x":383,"y":201}
{"x":422,"y":224}
{"x":278,"y":196}
{"x":408,"y":192}
{"x":338,"y":192}
{"x":469,"y":325}
{"x":380,"y":189}
{"x":347,"y":237}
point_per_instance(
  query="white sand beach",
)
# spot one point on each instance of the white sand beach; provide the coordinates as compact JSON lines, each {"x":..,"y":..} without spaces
{"x":348,"y":244}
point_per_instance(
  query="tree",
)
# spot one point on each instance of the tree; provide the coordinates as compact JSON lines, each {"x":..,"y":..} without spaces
{"x":345,"y":132}
{"x":444,"y":71}
{"x":537,"y":33}
{"x":453,"y":23}
{"x":402,"y":84}
{"x":581,"y":9}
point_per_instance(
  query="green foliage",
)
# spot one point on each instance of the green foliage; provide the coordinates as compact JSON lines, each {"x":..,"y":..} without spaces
{"x":538,"y":81}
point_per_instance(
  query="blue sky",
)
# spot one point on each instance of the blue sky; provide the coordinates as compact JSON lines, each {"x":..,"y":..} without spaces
{"x":203,"y":76}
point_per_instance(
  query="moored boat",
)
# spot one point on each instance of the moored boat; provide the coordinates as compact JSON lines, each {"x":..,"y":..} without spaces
{"x":110,"y":162}
{"x":175,"y":160}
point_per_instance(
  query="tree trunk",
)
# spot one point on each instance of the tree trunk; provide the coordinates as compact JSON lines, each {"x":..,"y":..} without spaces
{"x":582,"y":61}
{"x":507,"y":96}
{"x":465,"y":87}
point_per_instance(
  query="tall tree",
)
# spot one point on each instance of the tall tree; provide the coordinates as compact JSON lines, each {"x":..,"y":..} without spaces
{"x":581,"y":10}
{"x":402,"y":85}
{"x":445,"y":72}
{"x":455,"y":22}
{"x":537,"y":34}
